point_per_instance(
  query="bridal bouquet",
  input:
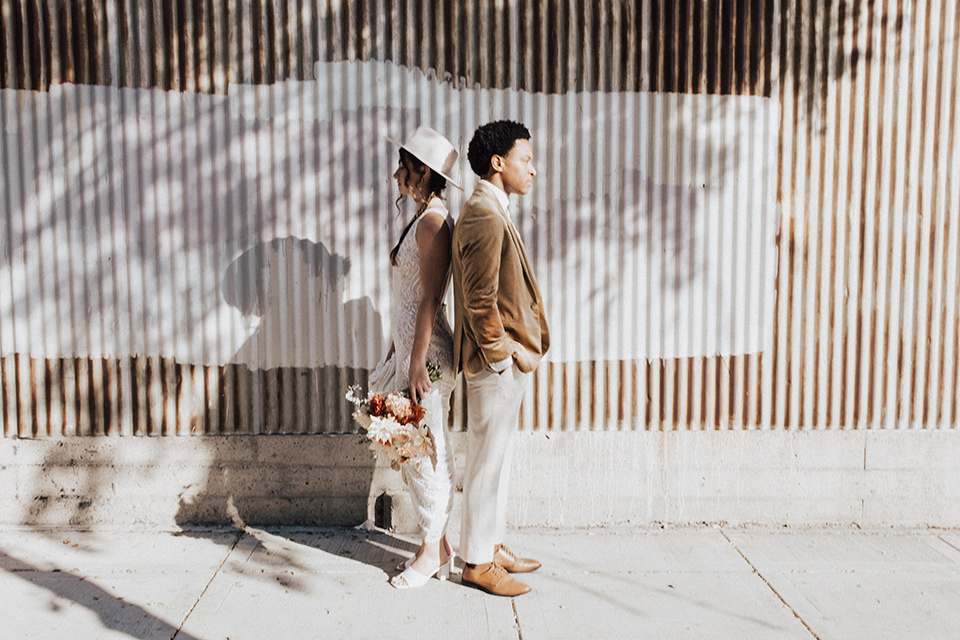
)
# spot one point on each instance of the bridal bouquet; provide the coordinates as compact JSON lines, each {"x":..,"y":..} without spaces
{"x":393,"y":423}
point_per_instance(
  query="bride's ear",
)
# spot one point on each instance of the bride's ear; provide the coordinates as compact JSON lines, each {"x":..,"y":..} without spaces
{"x":426,"y":174}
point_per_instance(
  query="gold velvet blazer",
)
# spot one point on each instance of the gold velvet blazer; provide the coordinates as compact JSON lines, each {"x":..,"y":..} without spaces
{"x":498,"y":309}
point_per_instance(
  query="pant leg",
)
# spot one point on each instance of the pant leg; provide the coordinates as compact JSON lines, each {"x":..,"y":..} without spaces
{"x":503,"y":494}
{"x":493,"y":411}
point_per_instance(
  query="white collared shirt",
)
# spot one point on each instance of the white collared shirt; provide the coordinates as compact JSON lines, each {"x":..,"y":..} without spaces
{"x":504,"y":201}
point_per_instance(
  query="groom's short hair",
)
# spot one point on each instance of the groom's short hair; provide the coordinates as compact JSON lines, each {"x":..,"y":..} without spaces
{"x":493,"y":139}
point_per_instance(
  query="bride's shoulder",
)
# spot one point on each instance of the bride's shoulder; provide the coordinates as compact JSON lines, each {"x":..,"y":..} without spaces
{"x":436,"y":215}
{"x":436,"y":207}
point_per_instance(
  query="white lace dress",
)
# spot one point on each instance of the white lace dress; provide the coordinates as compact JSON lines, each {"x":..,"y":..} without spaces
{"x":429,"y":482}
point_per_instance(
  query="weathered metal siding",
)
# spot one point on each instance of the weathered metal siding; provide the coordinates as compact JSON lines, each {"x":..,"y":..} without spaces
{"x":867,"y":315}
{"x":549,"y":46}
{"x":865,"y":326}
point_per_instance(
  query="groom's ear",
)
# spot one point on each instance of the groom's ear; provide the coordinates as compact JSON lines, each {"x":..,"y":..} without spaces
{"x":496,"y":163}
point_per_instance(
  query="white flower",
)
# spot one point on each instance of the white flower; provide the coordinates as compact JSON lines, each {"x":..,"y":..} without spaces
{"x":362,"y":418}
{"x":380,"y":430}
{"x":418,"y":435}
{"x":355,"y":395}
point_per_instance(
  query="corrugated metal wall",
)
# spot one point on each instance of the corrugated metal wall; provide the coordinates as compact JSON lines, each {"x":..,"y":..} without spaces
{"x":835,"y":308}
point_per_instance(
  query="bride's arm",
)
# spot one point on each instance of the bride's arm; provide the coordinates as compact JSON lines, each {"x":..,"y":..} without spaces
{"x":433,"y":239}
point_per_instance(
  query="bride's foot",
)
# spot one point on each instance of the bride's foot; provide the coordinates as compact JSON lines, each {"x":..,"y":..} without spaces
{"x":412,"y":577}
{"x":446,"y":550}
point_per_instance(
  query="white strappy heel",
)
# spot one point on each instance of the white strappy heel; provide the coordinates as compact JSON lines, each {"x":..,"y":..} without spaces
{"x":410,"y":578}
{"x":405,"y":564}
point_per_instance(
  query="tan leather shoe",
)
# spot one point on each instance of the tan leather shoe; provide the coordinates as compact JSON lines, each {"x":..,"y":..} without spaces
{"x":506,"y":559}
{"x":492,"y":578}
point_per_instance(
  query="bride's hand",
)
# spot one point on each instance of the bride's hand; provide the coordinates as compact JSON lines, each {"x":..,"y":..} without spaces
{"x":419,"y":380}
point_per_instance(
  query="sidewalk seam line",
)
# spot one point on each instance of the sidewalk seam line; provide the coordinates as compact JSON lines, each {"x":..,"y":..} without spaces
{"x":947,"y":542}
{"x":216,"y":572}
{"x":516,"y":619}
{"x":767,"y":582}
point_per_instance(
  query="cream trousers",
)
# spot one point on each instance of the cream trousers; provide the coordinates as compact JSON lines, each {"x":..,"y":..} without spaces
{"x":493,"y":413}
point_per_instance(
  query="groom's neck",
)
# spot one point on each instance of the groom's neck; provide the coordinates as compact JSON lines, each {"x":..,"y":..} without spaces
{"x":496,"y":180}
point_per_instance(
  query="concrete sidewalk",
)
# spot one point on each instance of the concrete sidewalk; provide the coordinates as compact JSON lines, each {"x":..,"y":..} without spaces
{"x":710,"y":582}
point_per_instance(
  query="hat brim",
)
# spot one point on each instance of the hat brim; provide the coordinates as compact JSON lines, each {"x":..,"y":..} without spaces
{"x":448,"y":178}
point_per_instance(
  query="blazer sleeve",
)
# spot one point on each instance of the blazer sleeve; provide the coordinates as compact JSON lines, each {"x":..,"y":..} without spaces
{"x":481,"y":246}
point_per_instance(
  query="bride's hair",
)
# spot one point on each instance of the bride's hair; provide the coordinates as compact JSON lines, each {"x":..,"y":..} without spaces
{"x":434,"y":188}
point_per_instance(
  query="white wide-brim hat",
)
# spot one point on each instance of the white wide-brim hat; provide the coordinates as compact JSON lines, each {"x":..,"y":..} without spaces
{"x":433,"y":150}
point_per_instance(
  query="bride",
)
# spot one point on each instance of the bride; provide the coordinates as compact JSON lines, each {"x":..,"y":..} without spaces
{"x":420,"y":272}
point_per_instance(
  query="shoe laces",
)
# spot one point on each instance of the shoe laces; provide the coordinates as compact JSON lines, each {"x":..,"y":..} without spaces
{"x":506,"y":552}
{"x":498,"y":571}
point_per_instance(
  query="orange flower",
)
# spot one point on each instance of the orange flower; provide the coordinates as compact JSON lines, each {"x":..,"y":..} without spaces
{"x":417,"y":412}
{"x":377,"y":406}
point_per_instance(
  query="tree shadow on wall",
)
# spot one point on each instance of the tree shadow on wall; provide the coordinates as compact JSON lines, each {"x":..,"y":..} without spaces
{"x":288,"y":380}
{"x":147,"y":198}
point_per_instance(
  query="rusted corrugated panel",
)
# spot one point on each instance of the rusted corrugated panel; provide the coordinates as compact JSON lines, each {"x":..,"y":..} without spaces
{"x":158,"y":397}
{"x":550,"y":46}
{"x":236,"y":169}
{"x":867,"y":301}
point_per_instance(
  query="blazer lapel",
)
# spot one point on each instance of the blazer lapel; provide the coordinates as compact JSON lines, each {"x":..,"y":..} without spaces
{"x":525,"y":263}
{"x":514,"y":235}
{"x":485,"y":190}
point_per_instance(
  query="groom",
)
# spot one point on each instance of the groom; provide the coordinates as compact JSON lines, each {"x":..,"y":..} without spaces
{"x":500,"y":334}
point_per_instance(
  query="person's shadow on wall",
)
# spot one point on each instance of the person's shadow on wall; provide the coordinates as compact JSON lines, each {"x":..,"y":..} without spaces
{"x":295,"y":287}
{"x":290,"y":377}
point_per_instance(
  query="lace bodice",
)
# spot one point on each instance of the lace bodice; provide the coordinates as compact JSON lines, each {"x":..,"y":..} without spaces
{"x":405,"y":301}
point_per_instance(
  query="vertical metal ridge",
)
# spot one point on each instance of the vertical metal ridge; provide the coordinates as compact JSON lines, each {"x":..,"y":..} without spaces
{"x":850,"y":354}
{"x":952,"y":349}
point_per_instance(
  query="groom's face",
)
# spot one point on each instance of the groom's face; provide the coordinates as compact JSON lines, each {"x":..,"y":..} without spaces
{"x":516,"y":168}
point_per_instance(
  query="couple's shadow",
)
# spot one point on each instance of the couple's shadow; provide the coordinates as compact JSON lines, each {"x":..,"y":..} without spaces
{"x":305,"y":345}
{"x":294,"y":287}
{"x":294,"y":290}
{"x":376,"y":548}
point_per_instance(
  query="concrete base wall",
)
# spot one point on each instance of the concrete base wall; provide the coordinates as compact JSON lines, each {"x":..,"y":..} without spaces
{"x":870,"y":478}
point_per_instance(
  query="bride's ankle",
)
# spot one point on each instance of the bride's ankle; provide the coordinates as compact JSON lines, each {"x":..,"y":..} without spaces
{"x":431,"y":559}
{"x":446,"y":549}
